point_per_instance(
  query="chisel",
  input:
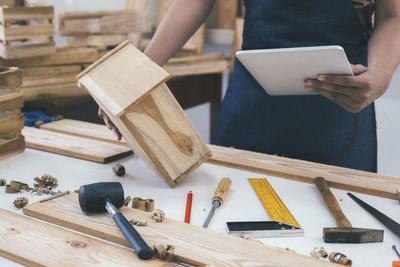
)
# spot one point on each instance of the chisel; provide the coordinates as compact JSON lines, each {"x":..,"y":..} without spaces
{"x":385,"y":220}
{"x":218,"y":198}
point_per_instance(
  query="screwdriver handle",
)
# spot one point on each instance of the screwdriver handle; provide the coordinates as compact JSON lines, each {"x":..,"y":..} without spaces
{"x":222,"y":189}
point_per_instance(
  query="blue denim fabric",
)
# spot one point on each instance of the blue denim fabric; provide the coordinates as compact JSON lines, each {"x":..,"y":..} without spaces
{"x":303,"y":127}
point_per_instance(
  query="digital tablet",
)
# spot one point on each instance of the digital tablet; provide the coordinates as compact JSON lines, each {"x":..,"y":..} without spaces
{"x":283,"y":71}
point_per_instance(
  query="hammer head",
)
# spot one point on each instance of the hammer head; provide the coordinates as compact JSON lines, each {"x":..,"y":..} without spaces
{"x":92,"y":197}
{"x":351,"y":235}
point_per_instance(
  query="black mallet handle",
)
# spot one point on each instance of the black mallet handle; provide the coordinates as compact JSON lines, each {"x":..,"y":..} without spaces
{"x":143,"y":251}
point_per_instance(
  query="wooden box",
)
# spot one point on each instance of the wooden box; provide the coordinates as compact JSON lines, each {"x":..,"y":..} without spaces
{"x":131,"y":89}
{"x":26,"y":31}
{"x":11,"y":118}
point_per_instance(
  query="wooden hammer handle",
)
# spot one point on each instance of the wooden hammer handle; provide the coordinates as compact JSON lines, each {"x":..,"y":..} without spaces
{"x":331,"y":202}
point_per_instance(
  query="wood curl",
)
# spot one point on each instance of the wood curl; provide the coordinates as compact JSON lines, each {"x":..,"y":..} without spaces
{"x":157,"y":215}
{"x":164,"y":252}
{"x":340,"y":258}
{"x":20,"y":202}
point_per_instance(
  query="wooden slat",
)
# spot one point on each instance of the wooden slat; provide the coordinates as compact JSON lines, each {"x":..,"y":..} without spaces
{"x":52,"y":91}
{"x":26,"y":50}
{"x":63,"y":56}
{"x":10,"y":78}
{"x":10,"y":14}
{"x":73,"y":146}
{"x":304,"y":171}
{"x":196,"y":58}
{"x":9,"y":3}
{"x":123,"y":21}
{"x":11,"y":101}
{"x":34,"y":243}
{"x":21,"y":32}
{"x":12,"y":124}
{"x":83,"y":129}
{"x":9,"y":147}
{"x":97,"y":40}
{"x":193,"y":244}
{"x":196,"y":67}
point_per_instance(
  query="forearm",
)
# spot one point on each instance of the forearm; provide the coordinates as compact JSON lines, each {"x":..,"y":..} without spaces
{"x":179,"y":23}
{"x":384,"y":46}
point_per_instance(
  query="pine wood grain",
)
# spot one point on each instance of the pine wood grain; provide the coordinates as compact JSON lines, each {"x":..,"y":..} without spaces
{"x":73,"y":146}
{"x":63,"y":56}
{"x":12,"y":124}
{"x":34,"y":243}
{"x":123,"y":21}
{"x":21,"y":32}
{"x":26,"y":50}
{"x":10,"y":78}
{"x":192,"y":244}
{"x":118,"y":92}
{"x":11,"y":101}
{"x":304,"y":171}
{"x":83,"y":129}
{"x":12,"y":14}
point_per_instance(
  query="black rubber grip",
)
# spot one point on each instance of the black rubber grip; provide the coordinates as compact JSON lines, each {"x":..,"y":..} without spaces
{"x":143,"y":251}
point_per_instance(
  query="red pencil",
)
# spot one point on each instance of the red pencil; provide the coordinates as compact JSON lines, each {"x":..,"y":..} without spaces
{"x":188,"y":207}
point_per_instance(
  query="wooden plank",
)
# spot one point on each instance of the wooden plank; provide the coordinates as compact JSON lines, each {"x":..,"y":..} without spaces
{"x":118,"y":94}
{"x":97,"y":40}
{"x":9,"y":3}
{"x":52,"y":91}
{"x":83,"y":129}
{"x":26,"y":50}
{"x":11,"y":146}
{"x":196,"y":68}
{"x":12,"y":124}
{"x":63,"y":56}
{"x":196,"y":58}
{"x":123,"y":21}
{"x":21,"y":32}
{"x":304,"y":171}
{"x":227,"y":11}
{"x":193,"y":244}
{"x":59,"y":78}
{"x":11,"y":101}
{"x":10,"y":78}
{"x":30,"y":72}
{"x":73,"y":146}
{"x":34,"y":243}
{"x":11,"y":14}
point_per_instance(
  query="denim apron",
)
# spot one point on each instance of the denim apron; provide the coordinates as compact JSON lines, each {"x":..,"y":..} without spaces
{"x":303,"y":127}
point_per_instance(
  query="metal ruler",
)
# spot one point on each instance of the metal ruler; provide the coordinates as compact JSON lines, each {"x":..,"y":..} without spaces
{"x":272,"y":202}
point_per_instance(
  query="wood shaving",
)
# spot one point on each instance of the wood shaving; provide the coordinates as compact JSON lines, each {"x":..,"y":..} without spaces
{"x":20,"y":202}
{"x":319,"y":253}
{"x":15,"y":187}
{"x":138,"y":223}
{"x":340,"y":258}
{"x":250,"y":238}
{"x":46,"y":181}
{"x":164,"y":252}
{"x":139,"y":203}
{"x":127,"y":200}
{"x":157,"y":215}
{"x":119,"y":170}
{"x":149,"y":204}
{"x":3,"y":182}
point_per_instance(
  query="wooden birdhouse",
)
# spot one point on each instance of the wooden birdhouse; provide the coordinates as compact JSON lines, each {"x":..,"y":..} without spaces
{"x":131,"y":90}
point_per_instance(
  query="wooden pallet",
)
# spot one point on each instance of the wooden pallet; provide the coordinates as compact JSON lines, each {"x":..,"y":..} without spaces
{"x":11,"y":118}
{"x":104,"y":22}
{"x":193,"y":244}
{"x":26,"y":31}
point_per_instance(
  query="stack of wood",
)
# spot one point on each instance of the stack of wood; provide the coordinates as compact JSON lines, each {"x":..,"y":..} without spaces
{"x":26,"y":31}
{"x":54,"y":76}
{"x":11,"y":118}
{"x":103,"y":29}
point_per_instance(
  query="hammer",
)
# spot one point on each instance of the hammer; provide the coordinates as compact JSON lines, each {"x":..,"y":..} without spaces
{"x":109,"y":196}
{"x":344,"y":233}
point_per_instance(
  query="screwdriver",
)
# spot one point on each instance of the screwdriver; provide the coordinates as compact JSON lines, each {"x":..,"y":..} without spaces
{"x":218,"y":198}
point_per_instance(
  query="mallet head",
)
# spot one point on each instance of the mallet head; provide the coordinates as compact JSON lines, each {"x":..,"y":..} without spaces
{"x":351,"y":235}
{"x":92,"y":197}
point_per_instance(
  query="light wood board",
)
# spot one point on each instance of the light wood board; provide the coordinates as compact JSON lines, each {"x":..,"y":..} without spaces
{"x":196,"y":67}
{"x":21,"y":32}
{"x":193,"y":244}
{"x":12,"y":124}
{"x":83,"y":129}
{"x":34,"y":243}
{"x":12,"y":14}
{"x":118,"y":21}
{"x":63,"y":56}
{"x":305,"y":171}
{"x":52,"y":91}
{"x":73,"y":146}
{"x":11,"y":101}
{"x":26,"y":50}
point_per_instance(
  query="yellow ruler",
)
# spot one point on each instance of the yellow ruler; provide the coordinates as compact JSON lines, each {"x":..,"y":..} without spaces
{"x":272,"y":202}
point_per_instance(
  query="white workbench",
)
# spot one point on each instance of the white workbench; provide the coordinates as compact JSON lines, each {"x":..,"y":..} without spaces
{"x":302,"y":199}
